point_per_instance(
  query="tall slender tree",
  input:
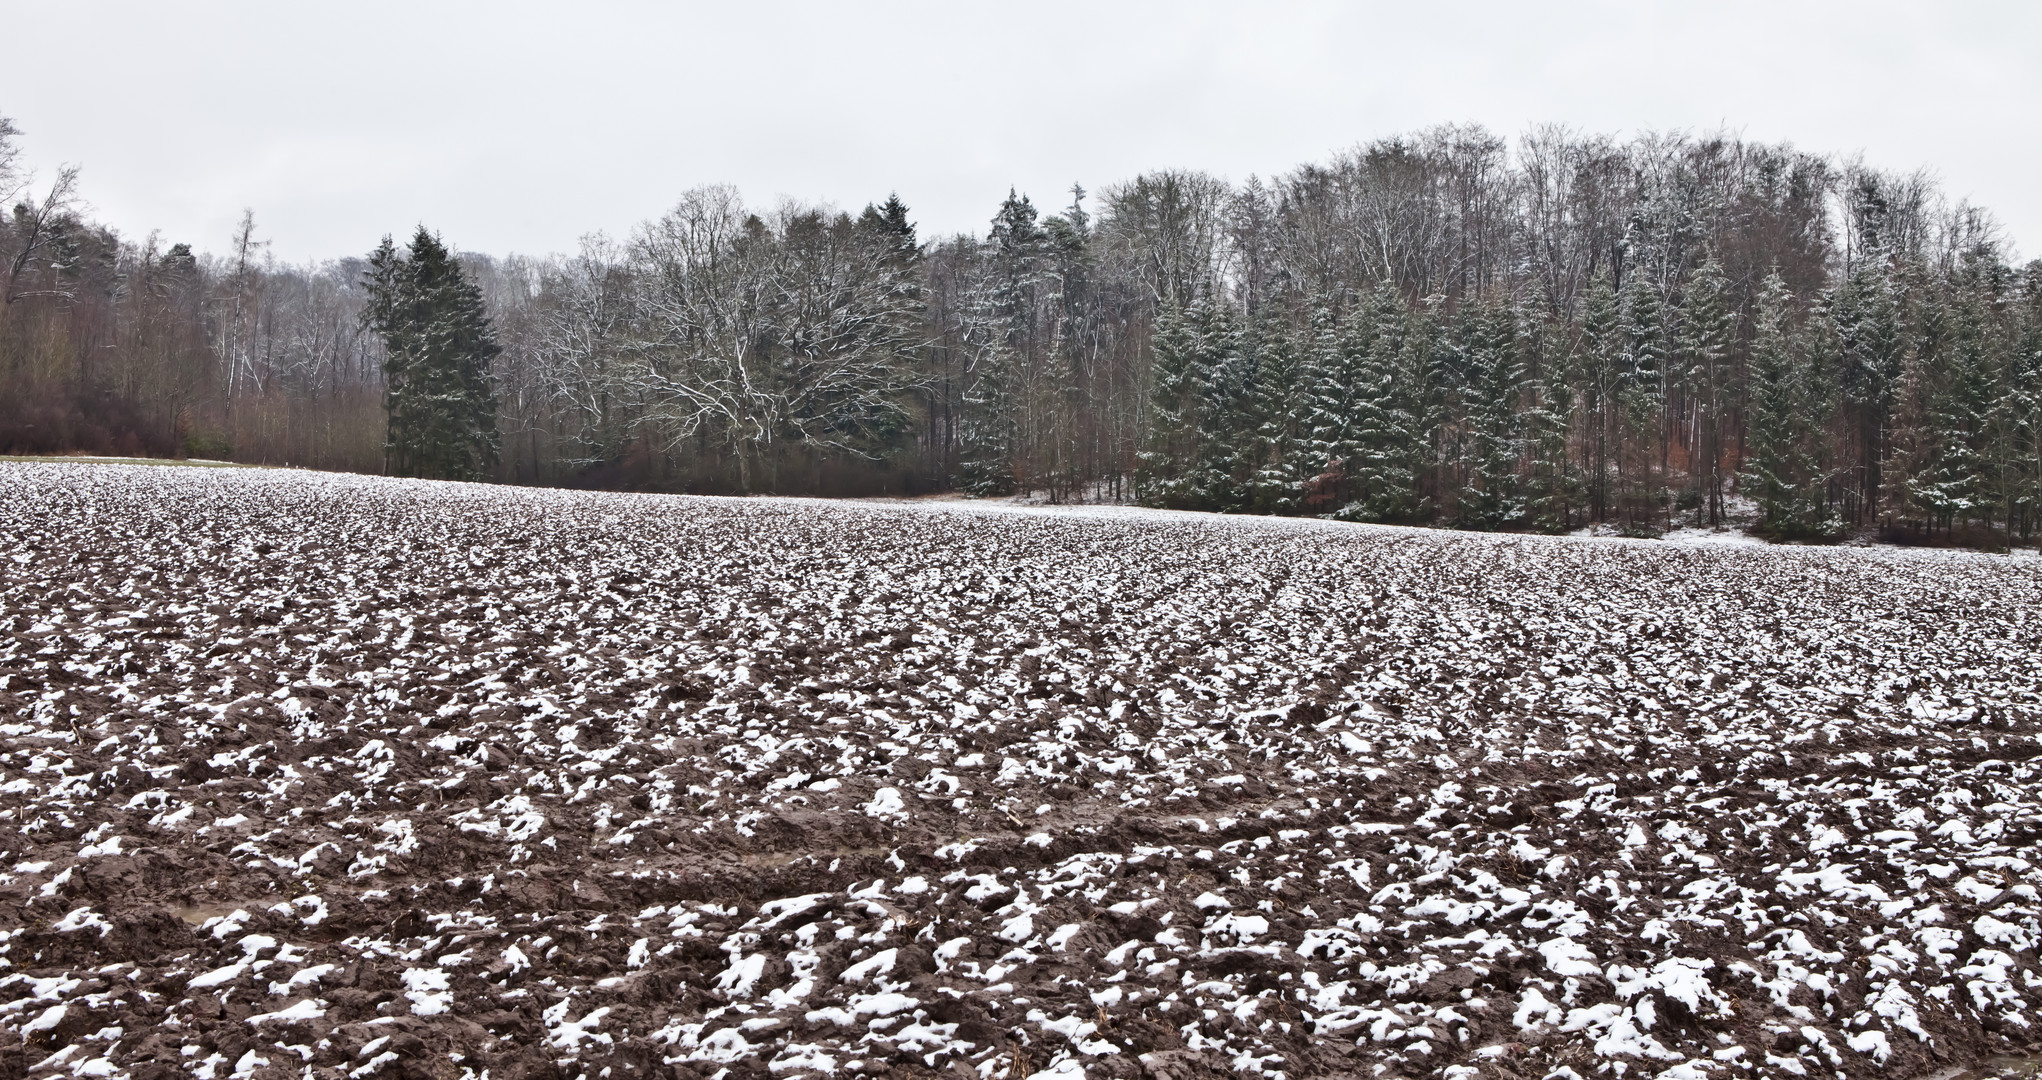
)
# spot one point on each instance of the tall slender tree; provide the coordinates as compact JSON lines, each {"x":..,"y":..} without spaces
{"x":1782,"y":474}
{"x":1708,"y":334}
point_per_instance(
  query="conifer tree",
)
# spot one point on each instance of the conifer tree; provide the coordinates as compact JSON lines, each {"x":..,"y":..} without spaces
{"x":889,"y":222}
{"x":1641,"y":402}
{"x":1222,"y":378}
{"x":988,"y":430}
{"x":1950,"y":485}
{"x":1598,"y":359}
{"x":1163,"y":468}
{"x":1492,"y":451}
{"x":1278,"y":465}
{"x":1007,"y":404}
{"x":1071,"y":457}
{"x":1327,"y":388}
{"x":1432,"y":391}
{"x":2024,"y":404}
{"x":438,"y":344}
{"x":1555,"y":486}
{"x":1386,"y":448}
{"x":1868,"y":375}
{"x":1781,"y":473}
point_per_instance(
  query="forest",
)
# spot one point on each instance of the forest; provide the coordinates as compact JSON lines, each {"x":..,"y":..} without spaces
{"x":1550,"y":333}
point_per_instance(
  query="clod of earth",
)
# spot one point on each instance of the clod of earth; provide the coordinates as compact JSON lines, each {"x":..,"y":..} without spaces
{"x":342,"y":777}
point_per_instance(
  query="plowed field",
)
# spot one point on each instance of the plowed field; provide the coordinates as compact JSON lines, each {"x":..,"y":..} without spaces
{"x":341,"y":777}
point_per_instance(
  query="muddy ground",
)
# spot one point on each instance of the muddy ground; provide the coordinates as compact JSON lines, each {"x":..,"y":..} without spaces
{"x":309,"y":775}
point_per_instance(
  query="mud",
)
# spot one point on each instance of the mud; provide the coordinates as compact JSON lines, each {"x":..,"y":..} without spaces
{"x":344,"y":777}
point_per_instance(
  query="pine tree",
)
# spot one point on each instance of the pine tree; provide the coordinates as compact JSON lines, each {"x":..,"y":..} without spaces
{"x":438,"y":344}
{"x":1385,"y":448}
{"x":1492,"y":451}
{"x":1598,"y":360}
{"x":1555,"y":486}
{"x":1781,"y":473}
{"x":1278,"y":466}
{"x":1641,"y":403}
{"x":1164,"y":467}
{"x":1326,"y":382}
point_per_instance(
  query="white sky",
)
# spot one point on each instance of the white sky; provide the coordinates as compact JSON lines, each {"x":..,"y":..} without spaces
{"x":519,"y":126}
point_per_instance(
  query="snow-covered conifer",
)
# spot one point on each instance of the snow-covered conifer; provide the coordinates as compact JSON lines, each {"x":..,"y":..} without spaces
{"x":438,"y":344}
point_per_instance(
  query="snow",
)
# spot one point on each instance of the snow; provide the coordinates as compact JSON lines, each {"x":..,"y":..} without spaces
{"x":428,"y":991}
{"x":886,"y":802}
{"x":878,"y":964}
{"x":1567,"y":958}
{"x":304,"y":1009}
{"x":1010,"y":790}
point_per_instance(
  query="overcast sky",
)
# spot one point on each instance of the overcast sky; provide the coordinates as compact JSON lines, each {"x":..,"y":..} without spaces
{"x":519,"y":127}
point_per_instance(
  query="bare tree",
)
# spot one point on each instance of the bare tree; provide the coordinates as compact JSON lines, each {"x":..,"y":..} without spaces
{"x":37,"y":227}
{"x":11,"y":179}
{"x":1169,"y":230}
{"x":765,"y":338}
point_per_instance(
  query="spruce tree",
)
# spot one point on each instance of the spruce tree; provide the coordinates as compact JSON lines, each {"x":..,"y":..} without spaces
{"x":1386,"y":449}
{"x":988,"y":427}
{"x":1327,"y":386}
{"x":1641,"y":402}
{"x":1020,"y":395}
{"x":1868,"y":375}
{"x":1781,"y":474}
{"x":2002,"y":438}
{"x":888,"y":222}
{"x":1555,"y":486}
{"x":1007,"y":407}
{"x":1074,"y":454}
{"x":1164,"y":466}
{"x":1951,"y":488}
{"x":1598,"y":359}
{"x":2024,"y":403}
{"x":1278,"y":463}
{"x":1432,"y":390}
{"x":438,"y":344}
{"x":1492,"y":450}
{"x":1226,"y":401}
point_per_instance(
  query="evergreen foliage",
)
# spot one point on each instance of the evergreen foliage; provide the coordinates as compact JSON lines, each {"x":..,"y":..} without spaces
{"x":1555,"y":487}
{"x":1782,"y":474}
{"x":1598,"y":364}
{"x":1489,"y":496}
{"x":438,"y":345}
{"x":1384,"y":362}
{"x":1439,"y":328}
{"x":1162,"y":476}
{"x":1704,"y":379}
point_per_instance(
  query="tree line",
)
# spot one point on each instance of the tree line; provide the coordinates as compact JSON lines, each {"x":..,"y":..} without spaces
{"x":1563,"y":331}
